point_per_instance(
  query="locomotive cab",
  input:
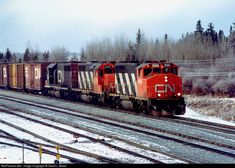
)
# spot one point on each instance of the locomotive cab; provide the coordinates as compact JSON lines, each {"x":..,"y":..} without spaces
{"x":104,"y":78}
{"x":159,"y":80}
{"x":159,"y":83}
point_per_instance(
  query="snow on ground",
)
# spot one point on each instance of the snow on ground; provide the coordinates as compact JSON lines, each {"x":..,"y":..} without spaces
{"x":192,"y":114}
{"x":10,"y":154}
{"x":217,"y":109}
{"x":6,"y":155}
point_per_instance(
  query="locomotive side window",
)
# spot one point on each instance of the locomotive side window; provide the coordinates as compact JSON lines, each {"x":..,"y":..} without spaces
{"x":139,"y":70}
{"x":147,"y":71}
{"x":100,"y":72}
{"x":157,"y":70}
{"x":108,"y":70}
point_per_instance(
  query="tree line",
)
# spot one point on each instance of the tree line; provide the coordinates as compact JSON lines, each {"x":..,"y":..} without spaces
{"x":203,"y":51}
{"x":198,"y":45}
{"x":58,"y":53}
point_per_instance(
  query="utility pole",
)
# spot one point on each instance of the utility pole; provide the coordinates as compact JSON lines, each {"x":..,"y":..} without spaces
{"x":40,"y":154}
{"x":23,"y":152}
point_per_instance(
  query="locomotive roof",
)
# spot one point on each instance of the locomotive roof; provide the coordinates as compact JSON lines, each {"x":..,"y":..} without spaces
{"x":52,"y":65}
{"x":154,"y":64}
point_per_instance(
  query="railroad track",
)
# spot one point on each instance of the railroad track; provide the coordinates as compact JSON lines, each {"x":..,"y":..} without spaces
{"x":34,"y":146}
{"x":169,"y":138}
{"x":229,"y":129}
{"x":176,"y":119}
{"x":85,"y":136}
{"x":68,"y":148}
{"x":108,"y":120}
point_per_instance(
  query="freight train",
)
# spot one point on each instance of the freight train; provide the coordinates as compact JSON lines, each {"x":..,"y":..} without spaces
{"x":152,"y":87}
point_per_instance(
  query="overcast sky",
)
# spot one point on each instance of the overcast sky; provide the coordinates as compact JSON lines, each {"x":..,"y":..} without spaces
{"x":72,"y":23}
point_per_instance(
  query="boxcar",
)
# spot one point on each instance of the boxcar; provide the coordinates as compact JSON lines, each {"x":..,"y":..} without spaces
{"x":35,"y":76}
{"x":16,"y":76}
{"x":4,"y":75}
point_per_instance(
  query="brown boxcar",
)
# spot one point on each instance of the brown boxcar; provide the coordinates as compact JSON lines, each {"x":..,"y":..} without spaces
{"x":4,"y":73}
{"x":35,"y":76}
{"x":16,"y":76}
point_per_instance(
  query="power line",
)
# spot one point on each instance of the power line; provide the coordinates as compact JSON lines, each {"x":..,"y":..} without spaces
{"x":193,"y":62}
{"x":188,"y":74}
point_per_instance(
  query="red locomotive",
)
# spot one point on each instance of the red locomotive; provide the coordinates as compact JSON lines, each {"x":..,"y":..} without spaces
{"x":150,"y":87}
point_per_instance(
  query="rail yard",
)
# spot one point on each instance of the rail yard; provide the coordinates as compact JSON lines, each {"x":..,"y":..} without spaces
{"x":92,"y":134}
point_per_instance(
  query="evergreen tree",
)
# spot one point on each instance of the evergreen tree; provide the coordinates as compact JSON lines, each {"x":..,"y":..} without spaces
{"x":199,"y":31}
{"x":138,"y":37}
{"x":14,"y":58}
{"x":211,"y":34}
{"x":165,"y":38}
{"x":231,"y":39}
{"x":20,"y":60}
{"x":34,"y":56}
{"x":199,"y":28}
{"x":8,"y":55}
{"x":166,"y":49}
{"x":138,"y":45}
{"x":230,"y":29}
{"x":26,"y":55}
{"x":221,"y":35}
{"x":1,"y":57}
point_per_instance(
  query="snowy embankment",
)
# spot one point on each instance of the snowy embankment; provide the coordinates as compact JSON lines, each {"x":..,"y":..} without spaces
{"x":215,"y":109}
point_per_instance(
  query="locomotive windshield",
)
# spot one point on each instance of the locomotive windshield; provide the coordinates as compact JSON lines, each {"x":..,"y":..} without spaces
{"x":108,"y":70}
{"x":147,"y":71}
{"x":157,"y":70}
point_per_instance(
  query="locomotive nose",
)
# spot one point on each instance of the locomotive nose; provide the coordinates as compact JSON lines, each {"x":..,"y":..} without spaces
{"x":168,"y":86}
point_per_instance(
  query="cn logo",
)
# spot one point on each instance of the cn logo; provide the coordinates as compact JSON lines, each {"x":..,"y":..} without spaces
{"x":161,"y":88}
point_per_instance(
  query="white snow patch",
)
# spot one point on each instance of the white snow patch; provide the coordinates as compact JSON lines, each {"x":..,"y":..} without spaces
{"x":192,"y":114}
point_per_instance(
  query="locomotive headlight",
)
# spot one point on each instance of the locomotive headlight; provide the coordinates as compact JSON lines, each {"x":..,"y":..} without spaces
{"x":178,"y":94}
{"x":159,"y":95}
{"x":166,"y":79}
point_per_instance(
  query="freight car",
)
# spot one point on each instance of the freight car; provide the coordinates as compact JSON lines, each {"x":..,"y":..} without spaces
{"x":151,"y":87}
{"x":17,"y":76}
{"x":35,"y":76}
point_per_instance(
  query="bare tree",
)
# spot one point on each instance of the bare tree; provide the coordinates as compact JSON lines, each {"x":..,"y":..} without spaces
{"x":59,"y":54}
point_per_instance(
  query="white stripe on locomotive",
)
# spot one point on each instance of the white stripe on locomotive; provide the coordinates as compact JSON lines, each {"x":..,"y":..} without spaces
{"x":134,"y":81}
{"x":122,"y":83}
{"x":92,"y":78}
{"x":128,"y":84}
{"x":80,"y":80}
{"x":83,"y":80}
{"x":88,"y":79}
{"x":117,"y":84}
